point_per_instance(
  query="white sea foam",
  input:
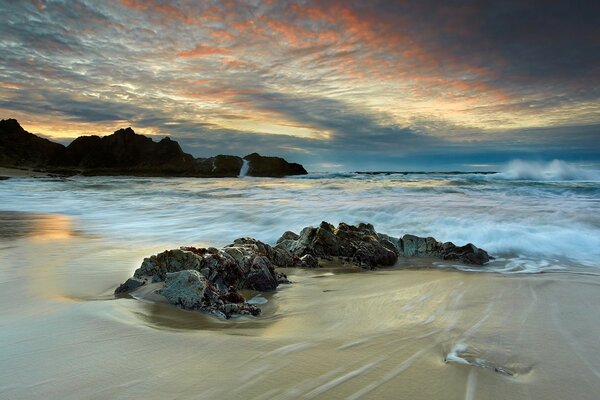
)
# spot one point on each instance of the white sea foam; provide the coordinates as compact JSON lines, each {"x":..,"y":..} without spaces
{"x":555,"y":170}
{"x":245,"y":168}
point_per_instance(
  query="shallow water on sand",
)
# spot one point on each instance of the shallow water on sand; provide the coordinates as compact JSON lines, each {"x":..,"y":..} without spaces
{"x":394,"y":333}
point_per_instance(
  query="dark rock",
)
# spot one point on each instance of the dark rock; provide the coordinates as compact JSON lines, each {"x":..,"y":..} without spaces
{"x":362,"y":245}
{"x":19,"y":148}
{"x":219,"y":166}
{"x":233,"y":296}
{"x":281,"y":278}
{"x":414,"y":246}
{"x":308,"y":261}
{"x":126,"y":153}
{"x":358,"y":243}
{"x":272,"y":166}
{"x":282,"y":257}
{"x":168,"y":261}
{"x":190,"y":290}
{"x":288,"y":235}
{"x":129,"y":285}
{"x":373,"y":254}
{"x":261,"y":276}
{"x":468,"y":254}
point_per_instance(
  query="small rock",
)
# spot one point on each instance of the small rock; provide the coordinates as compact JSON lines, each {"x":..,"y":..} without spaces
{"x":129,"y":285}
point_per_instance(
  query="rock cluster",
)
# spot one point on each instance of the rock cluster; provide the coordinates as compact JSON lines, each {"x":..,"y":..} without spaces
{"x":209,"y":279}
{"x":214,"y":276}
{"x":365,"y":247}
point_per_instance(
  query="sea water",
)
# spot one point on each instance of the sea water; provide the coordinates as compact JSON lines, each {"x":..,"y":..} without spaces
{"x":532,"y":217}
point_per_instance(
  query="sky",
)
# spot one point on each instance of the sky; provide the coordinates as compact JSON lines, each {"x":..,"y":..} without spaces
{"x":335,"y":85}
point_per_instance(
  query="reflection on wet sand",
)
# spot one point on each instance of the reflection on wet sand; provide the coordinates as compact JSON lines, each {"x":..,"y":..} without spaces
{"x":387,"y":334}
{"x":33,"y":225}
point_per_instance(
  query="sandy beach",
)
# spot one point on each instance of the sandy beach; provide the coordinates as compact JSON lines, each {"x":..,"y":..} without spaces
{"x":394,"y":333}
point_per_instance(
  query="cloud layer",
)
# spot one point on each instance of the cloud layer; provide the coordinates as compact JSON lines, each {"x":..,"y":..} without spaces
{"x":348,"y":83}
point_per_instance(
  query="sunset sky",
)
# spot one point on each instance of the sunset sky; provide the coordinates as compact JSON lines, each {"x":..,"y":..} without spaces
{"x":336,"y":85}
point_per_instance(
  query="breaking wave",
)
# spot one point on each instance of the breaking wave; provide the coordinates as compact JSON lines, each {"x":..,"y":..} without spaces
{"x":555,"y":170}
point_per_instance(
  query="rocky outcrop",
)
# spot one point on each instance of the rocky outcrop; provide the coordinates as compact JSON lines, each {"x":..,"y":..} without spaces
{"x":219,"y":166}
{"x":358,"y":244}
{"x":126,"y":153}
{"x":272,"y":166}
{"x":365,"y":247}
{"x":209,"y":279}
{"x":23,"y":149}
{"x":215,"y":276}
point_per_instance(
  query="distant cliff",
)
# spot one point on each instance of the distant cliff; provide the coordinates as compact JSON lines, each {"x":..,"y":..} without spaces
{"x":127,"y":153}
{"x":21,"y":148}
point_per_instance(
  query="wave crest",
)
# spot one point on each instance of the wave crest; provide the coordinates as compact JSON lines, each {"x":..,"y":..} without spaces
{"x":555,"y":170}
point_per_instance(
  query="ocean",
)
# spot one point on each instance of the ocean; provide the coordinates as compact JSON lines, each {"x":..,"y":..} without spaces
{"x":533,"y":218}
{"x":523,"y":326}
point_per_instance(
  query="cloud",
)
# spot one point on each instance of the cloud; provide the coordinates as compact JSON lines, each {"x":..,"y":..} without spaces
{"x":203,"y":50}
{"x":339,"y":82}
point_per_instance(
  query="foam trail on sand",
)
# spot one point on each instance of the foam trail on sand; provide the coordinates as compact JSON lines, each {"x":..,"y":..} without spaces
{"x":471,"y":385}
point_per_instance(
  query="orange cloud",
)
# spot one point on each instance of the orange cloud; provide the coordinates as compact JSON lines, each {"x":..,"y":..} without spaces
{"x":201,"y":50}
{"x":166,"y":11}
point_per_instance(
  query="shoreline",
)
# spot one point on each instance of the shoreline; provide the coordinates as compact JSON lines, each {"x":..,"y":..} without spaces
{"x":8,"y":173}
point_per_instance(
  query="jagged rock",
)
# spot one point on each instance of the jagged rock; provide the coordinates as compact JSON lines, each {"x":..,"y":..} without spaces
{"x":365,"y":247}
{"x":282,"y":257}
{"x":468,"y":254}
{"x":308,"y":261}
{"x":288,"y":235}
{"x":129,"y":285}
{"x":155,"y":268}
{"x":262,"y":275}
{"x":190,"y":290}
{"x":414,"y":246}
{"x":358,"y":243}
{"x":127,"y":152}
{"x":23,"y":149}
{"x":185,"y":288}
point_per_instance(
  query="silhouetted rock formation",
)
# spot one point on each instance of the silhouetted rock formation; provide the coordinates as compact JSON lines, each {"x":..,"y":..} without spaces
{"x":209,"y":279}
{"x":272,"y":166}
{"x":219,"y":166}
{"x":126,"y":153}
{"x":21,"y":148}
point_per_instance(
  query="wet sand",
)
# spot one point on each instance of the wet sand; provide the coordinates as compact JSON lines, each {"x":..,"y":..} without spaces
{"x":397,"y":333}
{"x":6,"y":173}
